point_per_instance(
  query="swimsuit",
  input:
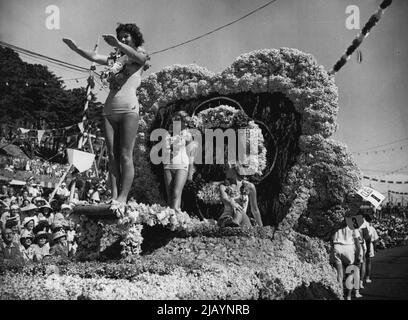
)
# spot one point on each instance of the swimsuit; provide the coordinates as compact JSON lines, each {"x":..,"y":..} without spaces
{"x":123,"y":99}
{"x":179,"y":159}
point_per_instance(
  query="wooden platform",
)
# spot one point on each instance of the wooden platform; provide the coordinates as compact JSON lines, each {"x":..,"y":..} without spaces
{"x":95,"y":211}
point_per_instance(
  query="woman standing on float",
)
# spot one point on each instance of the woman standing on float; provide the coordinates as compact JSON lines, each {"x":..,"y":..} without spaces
{"x":121,"y":109}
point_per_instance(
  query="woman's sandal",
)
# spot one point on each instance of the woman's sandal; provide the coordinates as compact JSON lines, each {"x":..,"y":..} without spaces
{"x":119,"y":208}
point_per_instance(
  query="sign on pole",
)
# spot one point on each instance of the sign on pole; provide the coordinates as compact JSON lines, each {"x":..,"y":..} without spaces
{"x":371,"y":195}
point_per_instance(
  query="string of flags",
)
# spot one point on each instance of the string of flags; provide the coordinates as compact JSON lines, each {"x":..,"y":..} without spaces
{"x":385,"y":181}
{"x":360,"y":37}
{"x":396,"y":192}
{"x":383,"y":150}
{"x":40,"y":133}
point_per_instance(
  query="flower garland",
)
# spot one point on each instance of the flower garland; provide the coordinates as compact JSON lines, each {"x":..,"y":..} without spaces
{"x":225,"y":117}
{"x":96,"y":237}
{"x":210,"y":192}
{"x":114,"y":74}
{"x":358,"y":40}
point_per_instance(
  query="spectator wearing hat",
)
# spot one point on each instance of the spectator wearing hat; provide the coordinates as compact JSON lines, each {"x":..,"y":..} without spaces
{"x":25,"y":199}
{"x":31,"y":211}
{"x":32,"y":189}
{"x":39,"y":201}
{"x":42,"y":225}
{"x":15,"y":227}
{"x":5,"y":213}
{"x":63,"y":191}
{"x":4,"y":191}
{"x":15,"y":212}
{"x":9,"y":249}
{"x":26,"y":240}
{"x":12,"y":196}
{"x":46,"y":213}
{"x":41,"y":246}
{"x":71,"y":236}
{"x":63,"y":216}
{"x":29,"y":224}
{"x":60,"y":245}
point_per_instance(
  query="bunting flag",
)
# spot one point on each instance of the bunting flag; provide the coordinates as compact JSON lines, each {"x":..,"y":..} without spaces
{"x":400,"y":193}
{"x":381,"y":151}
{"x":360,"y":37}
{"x":40,"y":134}
{"x":385,"y":181}
{"x":80,"y":159}
{"x":23,"y":131}
{"x":371,"y":195}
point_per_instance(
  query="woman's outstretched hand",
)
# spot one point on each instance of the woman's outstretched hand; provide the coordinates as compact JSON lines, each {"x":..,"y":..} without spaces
{"x":70,"y":43}
{"x":110,"y":39}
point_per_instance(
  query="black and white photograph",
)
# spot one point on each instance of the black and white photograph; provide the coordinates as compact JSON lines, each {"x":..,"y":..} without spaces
{"x":204,"y":155}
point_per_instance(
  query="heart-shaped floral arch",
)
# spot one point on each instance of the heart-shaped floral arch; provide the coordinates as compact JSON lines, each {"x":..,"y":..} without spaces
{"x":297,"y":100}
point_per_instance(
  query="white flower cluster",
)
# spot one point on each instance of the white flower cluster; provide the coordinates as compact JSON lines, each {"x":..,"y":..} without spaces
{"x":210,"y":193}
{"x":218,"y":117}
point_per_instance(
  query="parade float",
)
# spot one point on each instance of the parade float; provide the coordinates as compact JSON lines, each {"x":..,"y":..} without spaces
{"x":305,"y":185}
{"x":302,"y":191}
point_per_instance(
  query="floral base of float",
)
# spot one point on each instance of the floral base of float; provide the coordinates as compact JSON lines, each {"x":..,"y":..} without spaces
{"x":206,"y":263}
{"x":115,"y":238}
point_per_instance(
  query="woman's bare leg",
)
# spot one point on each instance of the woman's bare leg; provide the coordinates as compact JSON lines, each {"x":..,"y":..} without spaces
{"x":168,"y":178}
{"x":111,"y":138}
{"x":128,"y":130}
{"x":179,"y":181}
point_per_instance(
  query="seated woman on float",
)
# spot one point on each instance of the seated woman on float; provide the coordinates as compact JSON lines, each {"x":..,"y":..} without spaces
{"x":236,"y":193}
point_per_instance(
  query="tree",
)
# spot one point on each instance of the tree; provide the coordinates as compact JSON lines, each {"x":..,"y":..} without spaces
{"x":33,"y":97}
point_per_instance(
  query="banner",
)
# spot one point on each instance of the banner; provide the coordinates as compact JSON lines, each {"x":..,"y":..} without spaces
{"x":40,"y":134}
{"x":81,"y":127}
{"x":371,"y":195}
{"x":23,"y":130}
{"x":80,"y":159}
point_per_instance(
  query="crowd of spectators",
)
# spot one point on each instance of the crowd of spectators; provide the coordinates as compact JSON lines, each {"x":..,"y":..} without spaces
{"x":35,"y":166}
{"x":34,"y":228}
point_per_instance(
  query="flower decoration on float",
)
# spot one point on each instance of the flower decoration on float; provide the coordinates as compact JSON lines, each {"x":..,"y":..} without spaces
{"x":227,"y":117}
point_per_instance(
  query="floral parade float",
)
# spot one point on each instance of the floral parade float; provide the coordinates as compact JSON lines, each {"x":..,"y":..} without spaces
{"x":305,"y":185}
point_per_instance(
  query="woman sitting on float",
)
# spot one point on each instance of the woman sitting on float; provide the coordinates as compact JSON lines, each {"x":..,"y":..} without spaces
{"x":236,"y":194}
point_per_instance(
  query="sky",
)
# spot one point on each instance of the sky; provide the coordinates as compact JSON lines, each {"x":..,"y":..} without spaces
{"x":372,"y":94}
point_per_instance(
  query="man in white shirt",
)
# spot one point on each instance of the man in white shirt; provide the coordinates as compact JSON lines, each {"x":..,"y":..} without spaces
{"x":33,"y":191}
{"x":63,"y":191}
{"x":346,"y":251}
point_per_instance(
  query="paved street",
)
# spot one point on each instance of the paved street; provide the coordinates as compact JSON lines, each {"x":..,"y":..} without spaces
{"x":389,"y":275}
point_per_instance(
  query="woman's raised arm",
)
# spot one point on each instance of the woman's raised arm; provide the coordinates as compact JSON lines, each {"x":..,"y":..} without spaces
{"x":138,"y":55}
{"x":89,"y":55}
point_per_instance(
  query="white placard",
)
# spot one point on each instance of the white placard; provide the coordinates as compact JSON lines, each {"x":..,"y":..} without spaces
{"x":355,"y":222}
{"x":371,"y":195}
{"x":80,"y":159}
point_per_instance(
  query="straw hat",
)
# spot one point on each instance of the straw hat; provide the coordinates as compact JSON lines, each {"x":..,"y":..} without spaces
{"x":41,"y":234}
{"x":14,"y":207}
{"x":26,"y":234}
{"x":46,"y":206}
{"x":27,"y":220}
{"x":59,"y":234}
{"x":29,"y":207}
{"x":66,"y":206}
